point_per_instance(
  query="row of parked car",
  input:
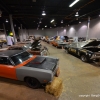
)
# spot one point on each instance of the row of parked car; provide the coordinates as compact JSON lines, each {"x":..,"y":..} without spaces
{"x":87,"y":51}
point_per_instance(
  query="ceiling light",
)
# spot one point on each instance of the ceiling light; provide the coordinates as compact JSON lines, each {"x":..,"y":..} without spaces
{"x":40,"y":21}
{"x":76,"y":14}
{"x":61,"y":21}
{"x":73,"y":3}
{"x":99,"y":15}
{"x":46,"y":26}
{"x":79,"y":22}
{"x":52,"y":20}
{"x":43,"y":13}
{"x":6,"y":21}
{"x":68,"y":25}
{"x":50,"y":27}
{"x":54,"y":25}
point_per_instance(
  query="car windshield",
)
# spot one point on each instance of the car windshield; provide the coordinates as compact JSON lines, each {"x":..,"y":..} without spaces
{"x":82,"y":44}
{"x":19,"y":58}
{"x":25,"y":47}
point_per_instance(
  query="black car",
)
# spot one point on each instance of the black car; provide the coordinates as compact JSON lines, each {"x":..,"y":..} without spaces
{"x":87,"y":50}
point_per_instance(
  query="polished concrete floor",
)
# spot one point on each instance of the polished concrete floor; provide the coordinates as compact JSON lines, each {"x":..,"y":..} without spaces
{"x":81,"y":81}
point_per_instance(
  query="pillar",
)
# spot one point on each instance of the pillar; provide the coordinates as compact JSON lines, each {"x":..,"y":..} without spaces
{"x":12,"y":28}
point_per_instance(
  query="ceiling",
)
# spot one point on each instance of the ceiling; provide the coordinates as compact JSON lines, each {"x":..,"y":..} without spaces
{"x":29,"y":12}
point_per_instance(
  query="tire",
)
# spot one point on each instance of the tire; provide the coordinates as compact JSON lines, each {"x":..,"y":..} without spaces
{"x":84,"y":58}
{"x":66,"y":50}
{"x":32,"y":82}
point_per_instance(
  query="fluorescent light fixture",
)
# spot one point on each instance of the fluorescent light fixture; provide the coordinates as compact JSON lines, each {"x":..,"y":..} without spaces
{"x":73,"y":3}
{"x":43,"y":13}
{"x":52,"y":20}
{"x":61,"y":21}
{"x":76,"y":14}
{"x":6,"y":21}
{"x":40,"y":21}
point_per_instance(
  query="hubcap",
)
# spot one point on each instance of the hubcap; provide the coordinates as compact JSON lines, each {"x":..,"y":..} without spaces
{"x":83,"y":58}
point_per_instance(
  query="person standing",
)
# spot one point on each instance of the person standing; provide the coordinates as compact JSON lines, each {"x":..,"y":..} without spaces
{"x":10,"y":40}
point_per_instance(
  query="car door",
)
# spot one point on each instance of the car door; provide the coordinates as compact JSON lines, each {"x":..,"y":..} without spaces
{"x":7,"y":70}
{"x":73,"y":48}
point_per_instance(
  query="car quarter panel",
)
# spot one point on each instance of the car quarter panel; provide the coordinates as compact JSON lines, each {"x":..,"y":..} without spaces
{"x":39,"y":74}
{"x":8,"y":71}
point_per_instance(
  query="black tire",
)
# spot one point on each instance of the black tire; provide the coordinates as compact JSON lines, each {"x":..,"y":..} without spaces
{"x":84,"y":58}
{"x":66,"y":50}
{"x":32,"y":82}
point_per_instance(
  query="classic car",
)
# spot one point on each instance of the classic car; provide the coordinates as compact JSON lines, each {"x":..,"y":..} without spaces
{"x":58,"y":43}
{"x":35,"y":48}
{"x":50,"y":40}
{"x":23,"y":66}
{"x":87,"y":50}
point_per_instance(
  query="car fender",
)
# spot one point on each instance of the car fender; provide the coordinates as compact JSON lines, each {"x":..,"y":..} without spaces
{"x":39,"y":74}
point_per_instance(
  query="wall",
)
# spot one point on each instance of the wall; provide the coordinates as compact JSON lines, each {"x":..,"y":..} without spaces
{"x":2,"y":35}
{"x":79,"y":30}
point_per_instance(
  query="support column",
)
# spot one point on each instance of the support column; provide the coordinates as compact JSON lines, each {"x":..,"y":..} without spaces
{"x":87,"y":36}
{"x":4,"y":30}
{"x":12,"y":28}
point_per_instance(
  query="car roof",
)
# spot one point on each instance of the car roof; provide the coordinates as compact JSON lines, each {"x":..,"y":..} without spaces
{"x":8,"y":53}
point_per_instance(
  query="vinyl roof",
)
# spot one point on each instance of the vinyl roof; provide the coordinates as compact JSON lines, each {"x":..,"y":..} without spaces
{"x":28,"y":12}
{"x":8,"y":53}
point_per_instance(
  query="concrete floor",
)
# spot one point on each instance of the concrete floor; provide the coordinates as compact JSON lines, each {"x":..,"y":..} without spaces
{"x":81,"y":81}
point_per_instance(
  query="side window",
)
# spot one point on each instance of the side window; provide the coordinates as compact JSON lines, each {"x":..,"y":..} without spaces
{"x":5,"y":61}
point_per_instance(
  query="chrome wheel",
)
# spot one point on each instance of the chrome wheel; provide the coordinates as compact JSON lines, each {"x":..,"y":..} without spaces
{"x":83,"y":58}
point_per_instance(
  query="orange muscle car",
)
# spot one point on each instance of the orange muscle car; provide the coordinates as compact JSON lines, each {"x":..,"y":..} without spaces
{"x":34,"y":70}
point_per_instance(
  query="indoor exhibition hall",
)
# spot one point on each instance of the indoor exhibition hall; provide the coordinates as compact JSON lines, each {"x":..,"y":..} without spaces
{"x":49,"y":50}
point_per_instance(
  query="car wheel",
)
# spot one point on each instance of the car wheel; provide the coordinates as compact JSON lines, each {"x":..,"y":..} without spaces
{"x":32,"y":82}
{"x":84,"y":58}
{"x":66,"y":50}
